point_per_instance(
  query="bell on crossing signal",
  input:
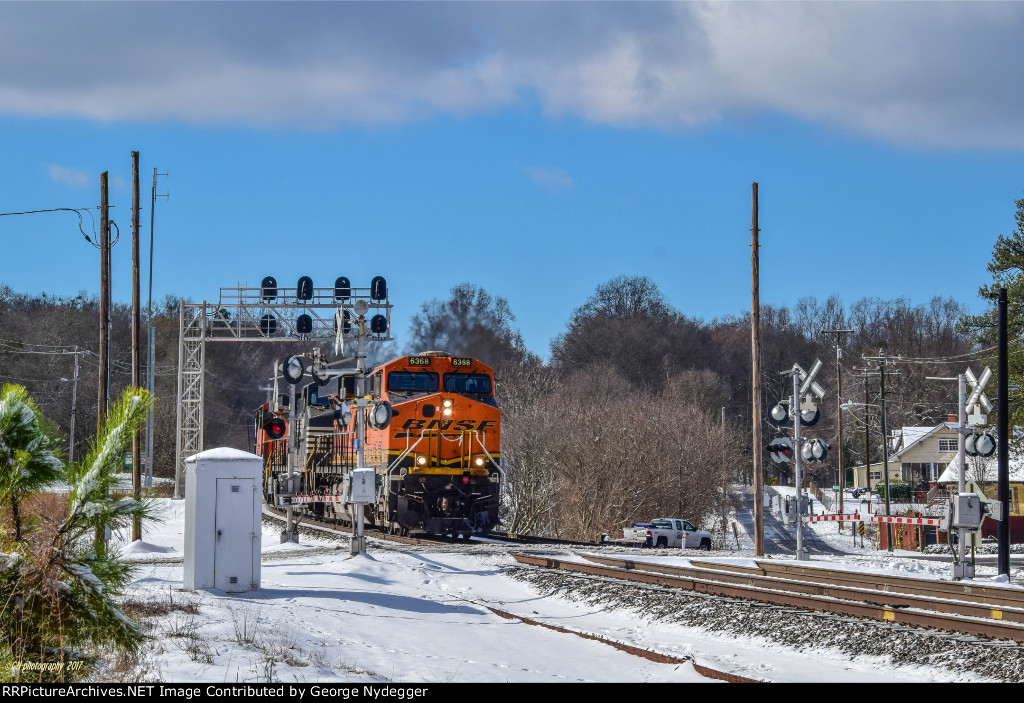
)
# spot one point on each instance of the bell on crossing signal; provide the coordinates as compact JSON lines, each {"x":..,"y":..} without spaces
{"x":779,"y":415}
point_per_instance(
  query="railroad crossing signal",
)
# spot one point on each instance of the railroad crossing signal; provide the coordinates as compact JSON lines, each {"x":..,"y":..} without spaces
{"x":814,"y":451}
{"x":809,"y":389}
{"x":978,"y":397}
{"x":781,"y":450}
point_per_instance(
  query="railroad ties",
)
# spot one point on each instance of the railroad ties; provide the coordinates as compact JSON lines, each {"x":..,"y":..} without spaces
{"x":952,"y":606}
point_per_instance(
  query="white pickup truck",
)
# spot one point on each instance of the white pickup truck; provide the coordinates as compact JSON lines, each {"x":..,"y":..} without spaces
{"x":674,"y":532}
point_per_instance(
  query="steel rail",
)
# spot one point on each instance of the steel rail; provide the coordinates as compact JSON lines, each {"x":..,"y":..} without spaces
{"x":959,"y":590}
{"x":820,"y":587}
{"x":995,"y":629}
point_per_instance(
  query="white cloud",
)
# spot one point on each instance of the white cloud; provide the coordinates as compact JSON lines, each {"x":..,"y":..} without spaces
{"x":550,"y":178}
{"x":68,"y":176}
{"x":914,"y":73}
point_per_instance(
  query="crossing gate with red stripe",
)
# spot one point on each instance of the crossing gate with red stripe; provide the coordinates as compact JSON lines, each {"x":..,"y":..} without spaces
{"x":855,"y":517}
{"x":318,"y":499}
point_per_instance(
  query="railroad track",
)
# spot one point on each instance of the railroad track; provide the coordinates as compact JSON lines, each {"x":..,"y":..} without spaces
{"x":422,"y":539}
{"x":900,"y":600}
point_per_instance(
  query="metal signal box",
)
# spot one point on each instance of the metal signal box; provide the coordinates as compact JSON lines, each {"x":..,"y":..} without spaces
{"x":222,"y":520}
{"x":967,"y":511}
{"x":362,"y":486}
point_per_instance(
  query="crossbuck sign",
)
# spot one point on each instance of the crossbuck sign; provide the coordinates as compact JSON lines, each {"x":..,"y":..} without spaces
{"x":978,"y":401}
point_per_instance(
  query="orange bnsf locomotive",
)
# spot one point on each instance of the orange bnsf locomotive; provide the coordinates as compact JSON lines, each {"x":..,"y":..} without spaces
{"x":432,"y":435}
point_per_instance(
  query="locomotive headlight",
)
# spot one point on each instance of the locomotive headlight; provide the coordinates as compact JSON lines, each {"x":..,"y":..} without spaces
{"x":447,"y":412}
{"x":446,"y":403}
{"x":447,"y":407}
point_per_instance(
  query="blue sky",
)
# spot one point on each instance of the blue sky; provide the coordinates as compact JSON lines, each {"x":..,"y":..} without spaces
{"x":534,"y":149}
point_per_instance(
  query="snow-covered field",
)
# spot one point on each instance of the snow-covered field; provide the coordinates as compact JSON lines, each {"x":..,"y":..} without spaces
{"x":410,"y":615}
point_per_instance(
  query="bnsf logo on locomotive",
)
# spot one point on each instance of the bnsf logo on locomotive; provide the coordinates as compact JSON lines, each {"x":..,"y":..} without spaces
{"x":415,"y":424}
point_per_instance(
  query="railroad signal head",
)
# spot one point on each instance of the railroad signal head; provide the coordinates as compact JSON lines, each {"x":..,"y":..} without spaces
{"x":304,"y":288}
{"x":268,"y":289}
{"x":268,"y":324}
{"x":378,"y":288}
{"x":379,"y":324}
{"x":304,"y":324}
{"x":342,"y":289}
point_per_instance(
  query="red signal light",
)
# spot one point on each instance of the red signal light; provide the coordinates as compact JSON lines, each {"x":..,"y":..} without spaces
{"x":275,"y":428}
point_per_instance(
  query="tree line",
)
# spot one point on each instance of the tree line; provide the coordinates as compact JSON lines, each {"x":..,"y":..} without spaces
{"x":640,"y":410}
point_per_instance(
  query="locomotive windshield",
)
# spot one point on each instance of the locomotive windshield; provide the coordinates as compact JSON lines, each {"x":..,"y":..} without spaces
{"x":413,"y":381}
{"x":467,"y":383}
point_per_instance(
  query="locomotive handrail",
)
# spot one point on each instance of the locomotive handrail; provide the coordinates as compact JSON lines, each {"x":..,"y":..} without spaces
{"x":480,"y":441}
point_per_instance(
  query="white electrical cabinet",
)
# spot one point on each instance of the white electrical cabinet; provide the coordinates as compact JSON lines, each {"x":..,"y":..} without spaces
{"x":362,"y":487}
{"x":223,"y":503}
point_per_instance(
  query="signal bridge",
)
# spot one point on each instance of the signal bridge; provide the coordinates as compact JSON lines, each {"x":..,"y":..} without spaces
{"x":268,"y":313}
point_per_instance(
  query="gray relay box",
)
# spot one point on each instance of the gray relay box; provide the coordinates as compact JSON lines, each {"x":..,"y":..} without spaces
{"x":967,"y":511}
{"x":362,"y":487}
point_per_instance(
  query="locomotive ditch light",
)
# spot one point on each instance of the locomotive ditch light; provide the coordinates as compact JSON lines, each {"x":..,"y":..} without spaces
{"x":293,"y":369}
{"x":421,"y":460}
{"x":479,"y":461}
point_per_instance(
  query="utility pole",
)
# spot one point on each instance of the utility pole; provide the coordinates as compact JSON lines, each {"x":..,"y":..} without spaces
{"x":104,"y":373}
{"x":1002,"y":439}
{"x":755,"y":368}
{"x":151,"y":337}
{"x":74,"y":410}
{"x":136,"y":329}
{"x":839,"y":413}
{"x":885,"y":457}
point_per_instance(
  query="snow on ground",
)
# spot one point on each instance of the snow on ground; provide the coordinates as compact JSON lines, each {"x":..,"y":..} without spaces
{"x":417,"y":615}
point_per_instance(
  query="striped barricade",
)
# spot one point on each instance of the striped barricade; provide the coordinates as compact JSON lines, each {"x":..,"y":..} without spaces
{"x":855,"y":517}
{"x":314,"y":498}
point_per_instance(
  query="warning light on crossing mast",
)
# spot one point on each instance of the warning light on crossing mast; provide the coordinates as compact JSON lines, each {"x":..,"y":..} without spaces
{"x":274,"y":427}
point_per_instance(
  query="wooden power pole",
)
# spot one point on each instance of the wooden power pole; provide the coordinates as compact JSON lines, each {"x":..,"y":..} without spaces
{"x":136,"y":329}
{"x":755,"y":366}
